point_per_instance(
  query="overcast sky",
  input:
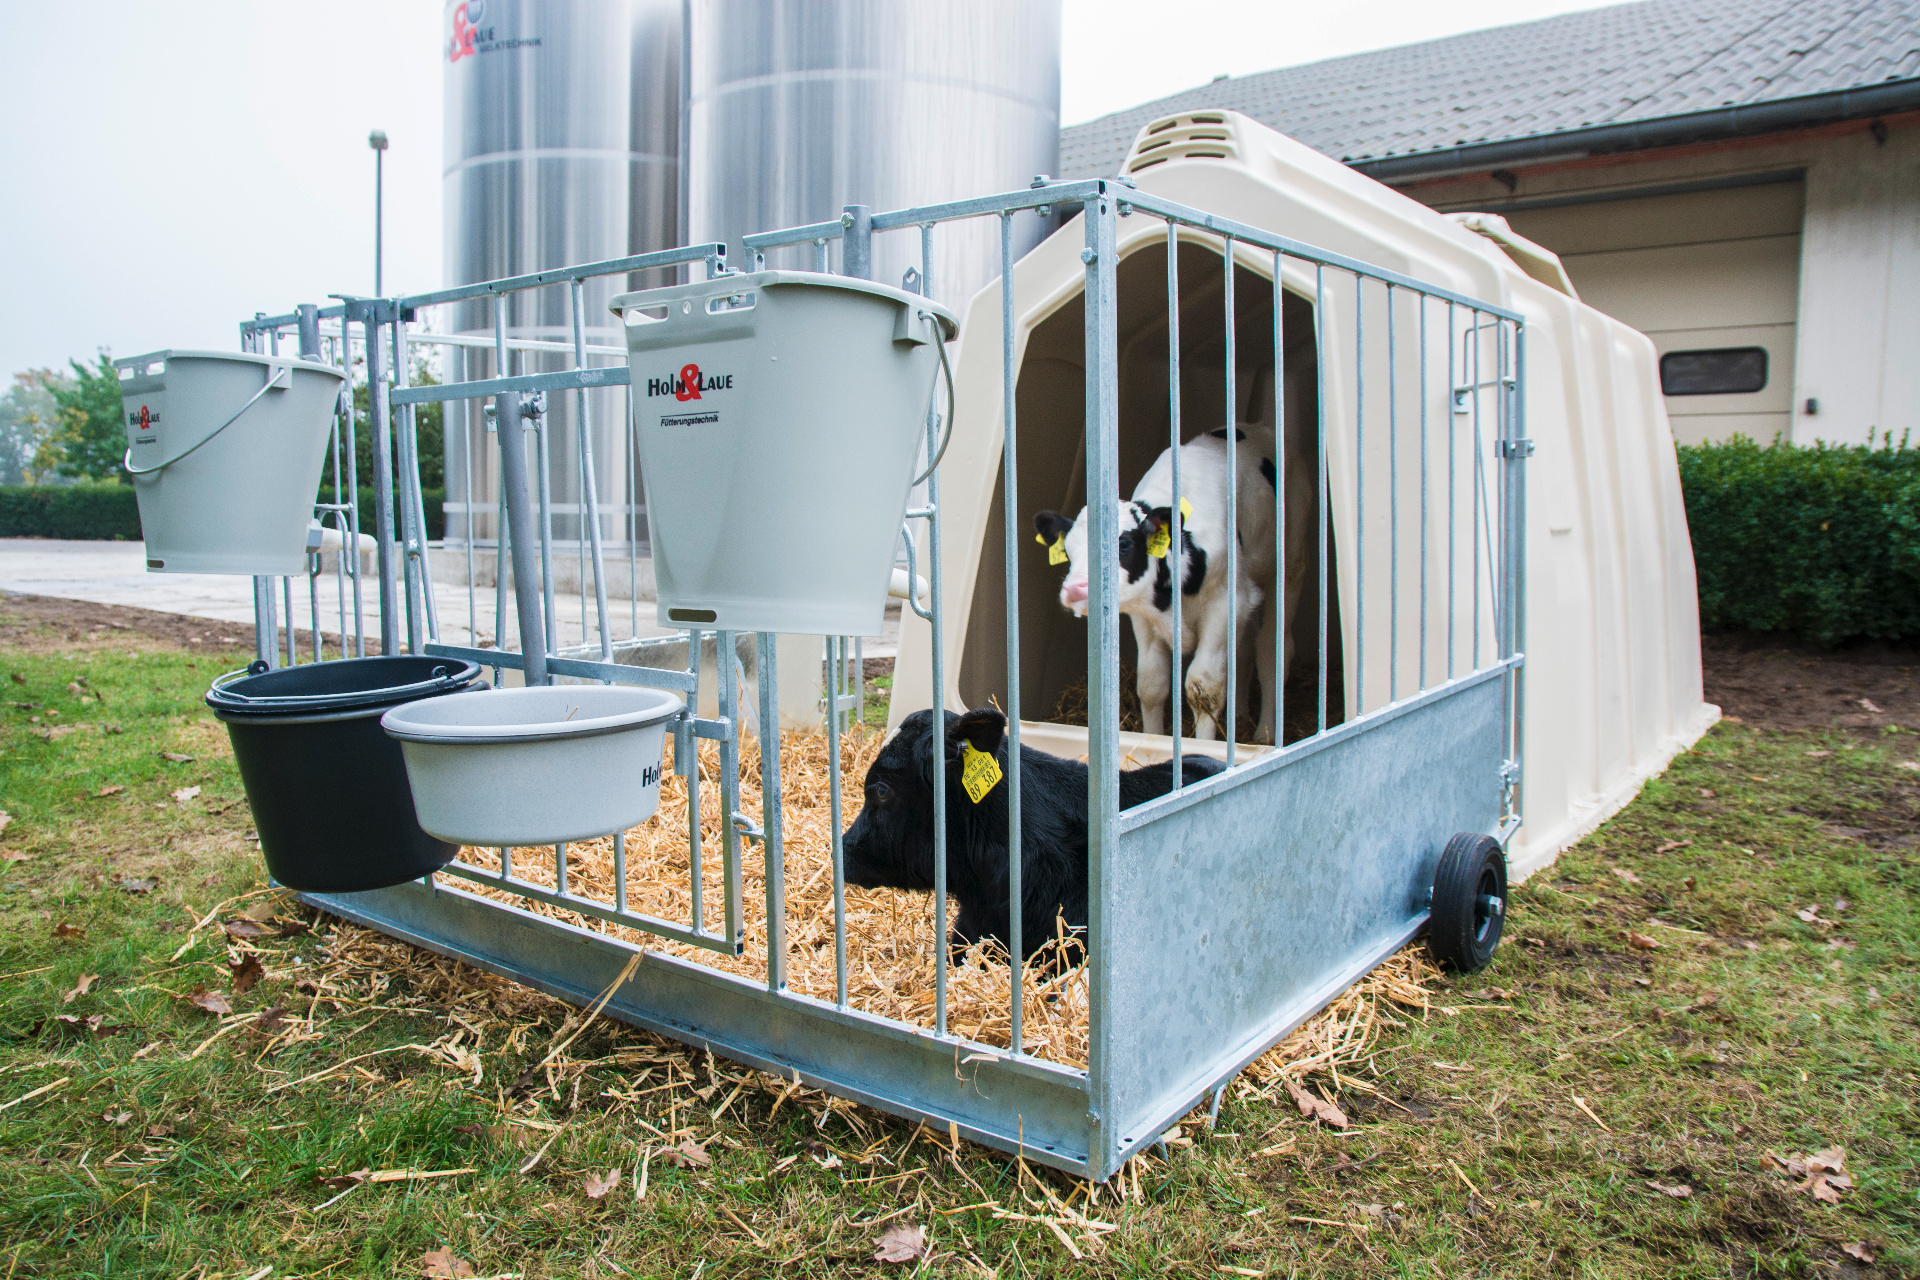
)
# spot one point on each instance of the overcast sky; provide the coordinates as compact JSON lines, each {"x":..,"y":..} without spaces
{"x":173,"y":167}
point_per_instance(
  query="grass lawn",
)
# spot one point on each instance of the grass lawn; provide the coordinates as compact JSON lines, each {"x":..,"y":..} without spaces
{"x":193,"y":1071}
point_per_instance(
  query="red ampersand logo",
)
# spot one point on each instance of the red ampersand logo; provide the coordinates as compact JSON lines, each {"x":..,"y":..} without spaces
{"x":145,"y":420}
{"x":689,"y":388}
{"x":462,"y":36}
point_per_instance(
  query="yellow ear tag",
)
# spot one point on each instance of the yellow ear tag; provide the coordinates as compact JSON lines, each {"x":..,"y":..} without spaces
{"x":1162,"y":540}
{"x":1057,"y":550}
{"x":979,"y":772}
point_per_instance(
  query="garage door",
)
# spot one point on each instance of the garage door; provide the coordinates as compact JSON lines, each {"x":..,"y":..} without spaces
{"x":1713,"y":277}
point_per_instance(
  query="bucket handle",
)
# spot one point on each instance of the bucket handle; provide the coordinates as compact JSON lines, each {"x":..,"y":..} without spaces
{"x":277,"y":376}
{"x":442,"y":678}
{"x":933,"y":323}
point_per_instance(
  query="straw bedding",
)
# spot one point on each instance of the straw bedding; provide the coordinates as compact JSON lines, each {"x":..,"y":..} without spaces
{"x":891,"y":946}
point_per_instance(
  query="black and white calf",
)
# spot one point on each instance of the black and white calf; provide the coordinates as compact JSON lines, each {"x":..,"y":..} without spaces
{"x":890,"y":844}
{"x":1146,"y":580}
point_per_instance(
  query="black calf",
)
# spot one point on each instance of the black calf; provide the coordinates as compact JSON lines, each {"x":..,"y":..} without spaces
{"x":891,"y":843}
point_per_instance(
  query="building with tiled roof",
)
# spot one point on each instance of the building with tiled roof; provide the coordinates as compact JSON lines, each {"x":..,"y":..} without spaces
{"x":1740,"y":179}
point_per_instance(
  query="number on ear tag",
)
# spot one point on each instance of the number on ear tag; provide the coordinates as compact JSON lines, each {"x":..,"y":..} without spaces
{"x":1161,"y":542}
{"x":1057,"y":550}
{"x":979,"y":772}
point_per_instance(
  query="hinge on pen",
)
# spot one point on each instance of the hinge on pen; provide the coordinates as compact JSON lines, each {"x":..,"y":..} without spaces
{"x":1516,"y":448}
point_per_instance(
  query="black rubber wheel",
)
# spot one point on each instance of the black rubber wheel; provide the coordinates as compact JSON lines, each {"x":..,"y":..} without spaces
{"x":1469,"y":902}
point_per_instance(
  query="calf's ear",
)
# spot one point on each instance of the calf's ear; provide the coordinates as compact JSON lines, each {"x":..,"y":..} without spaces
{"x":1050,"y":525}
{"x":984,"y":727}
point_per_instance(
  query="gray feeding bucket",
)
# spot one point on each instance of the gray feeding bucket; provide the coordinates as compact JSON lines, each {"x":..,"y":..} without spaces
{"x":225,"y":450}
{"x":535,"y":765}
{"x":778,"y":416}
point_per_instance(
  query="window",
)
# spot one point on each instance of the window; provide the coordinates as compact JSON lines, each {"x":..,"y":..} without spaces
{"x":1728,"y":371}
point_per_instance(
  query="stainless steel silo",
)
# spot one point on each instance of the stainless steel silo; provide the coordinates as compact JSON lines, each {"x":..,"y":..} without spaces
{"x":562,"y":146}
{"x":801,"y":107}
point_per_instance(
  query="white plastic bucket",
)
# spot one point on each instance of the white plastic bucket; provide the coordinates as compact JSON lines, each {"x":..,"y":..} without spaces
{"x":534,"y":765}
{"x":225,"y":450}
{"x":778,"y":416}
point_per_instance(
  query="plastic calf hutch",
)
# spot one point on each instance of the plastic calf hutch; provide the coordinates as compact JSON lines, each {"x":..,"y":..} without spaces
{"x":1222,"y":914}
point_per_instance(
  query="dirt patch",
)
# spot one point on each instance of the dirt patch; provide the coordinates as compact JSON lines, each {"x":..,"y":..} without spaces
{"x":1778,"y":683}
{"x":35,"y":624}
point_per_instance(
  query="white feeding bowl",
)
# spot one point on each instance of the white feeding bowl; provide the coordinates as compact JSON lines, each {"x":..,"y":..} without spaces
{"x":534,"y":766}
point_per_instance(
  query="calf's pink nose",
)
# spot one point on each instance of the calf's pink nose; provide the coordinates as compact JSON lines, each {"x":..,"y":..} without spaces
{"x":1073,"y":592}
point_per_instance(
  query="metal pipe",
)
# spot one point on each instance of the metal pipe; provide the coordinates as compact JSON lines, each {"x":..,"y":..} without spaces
{"x":838,"y":850}
{"x":1425,"y":395}
{"x":1103,"y":666}
{"x":1359,"y":707}
{"x":856,"y":243}
{"x":526,"y":589}
{"x":379,"y":426}
{"x":500,"y":514}
{"x":1176,"y":692}
{"x":1323,"y":508}
{"x":543,"y":462}
{"x":1010,"y":526}
{"x":1393,"y":507}
{"x":727,"y":690}
{"x":590,"y":491}
{"x":1276,"y":697}
{"x":689,"y":768}
{"x":1230,"y":721}
{"x":771,"y":847}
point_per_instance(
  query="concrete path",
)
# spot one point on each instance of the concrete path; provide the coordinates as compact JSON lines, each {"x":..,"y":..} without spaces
{"x":116,"y":573}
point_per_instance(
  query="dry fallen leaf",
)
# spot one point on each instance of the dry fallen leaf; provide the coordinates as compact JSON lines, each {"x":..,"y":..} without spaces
{"x":211,"y":1001}
{"x":80,"y":987}
{"x":1841,"y":904}
{"x":65,"y":930}
{"x":117,"y":1117}
{"x":1312,"y":1104}
{"x":176,"y":757}
{"x":185,"y":794}
{"x":270,"y":1019}
{"x":345,"y":1181}
{"x":1818,"y":754}
{"x":139,"y":884}
{"x":1626,"y":875}
{"x":244,"y":928}
{"x":1904,"y":764}
{"x":441,"y":1264}
{"x":1859,"y":1251}
{"x":690,"y":1155}
{"x":1868,"y":703}
{"x":6,"y":819}
{"x":1641,"y":941}
{"x":1678,"y":1192}
{"x":12,"y":855}
{"x":1671,"y":845}
{"x":1824,"y":1173}
{"x":597,"y":1187}
{"x":246,"y":972}
{"x":108,"y":791}
{"x":1811,"y":914}
{"x":904,"y":1243}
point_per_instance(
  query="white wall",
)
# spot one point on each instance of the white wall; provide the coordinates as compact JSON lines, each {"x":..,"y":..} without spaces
{"x":1858,"y":322}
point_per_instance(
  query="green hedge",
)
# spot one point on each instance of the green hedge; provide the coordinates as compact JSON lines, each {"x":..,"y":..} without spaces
{"x":1822,"y":542}
{"x":94,"y":512}
{"x":108,"y":512}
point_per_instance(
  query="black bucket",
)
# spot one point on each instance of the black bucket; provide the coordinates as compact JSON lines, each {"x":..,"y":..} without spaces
{"x":328,"y":788}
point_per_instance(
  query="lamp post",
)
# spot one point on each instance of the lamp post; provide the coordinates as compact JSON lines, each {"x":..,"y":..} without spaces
{"x":378,"y":141}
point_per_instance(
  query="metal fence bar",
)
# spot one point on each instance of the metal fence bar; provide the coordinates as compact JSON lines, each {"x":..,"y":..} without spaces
{"x":771,"y":846}
{"x":686,"y":759}
{"x":1453,"y":488}
{"x":1230,"y":721}
{"x":590,"y":907}
{"x":1010,"y":524}
{"x":938,"y":741}
{"x":837,"y":837}
{"x":710,"y":253}
{"x":382,"y":479}
{"x":589,"y":486}
{"x":1359,"y":707}
{"x":1426,"y":394}
{"x":1103,"y":660}
{"x":1479,"y":488}
{"x":1323,"y":507}
{"x":726,"y":692}
{"x":1276,"y":697}
{"x":544,"y":462}
{"x":1393,"y":506}
{"x":1176,"y":690}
